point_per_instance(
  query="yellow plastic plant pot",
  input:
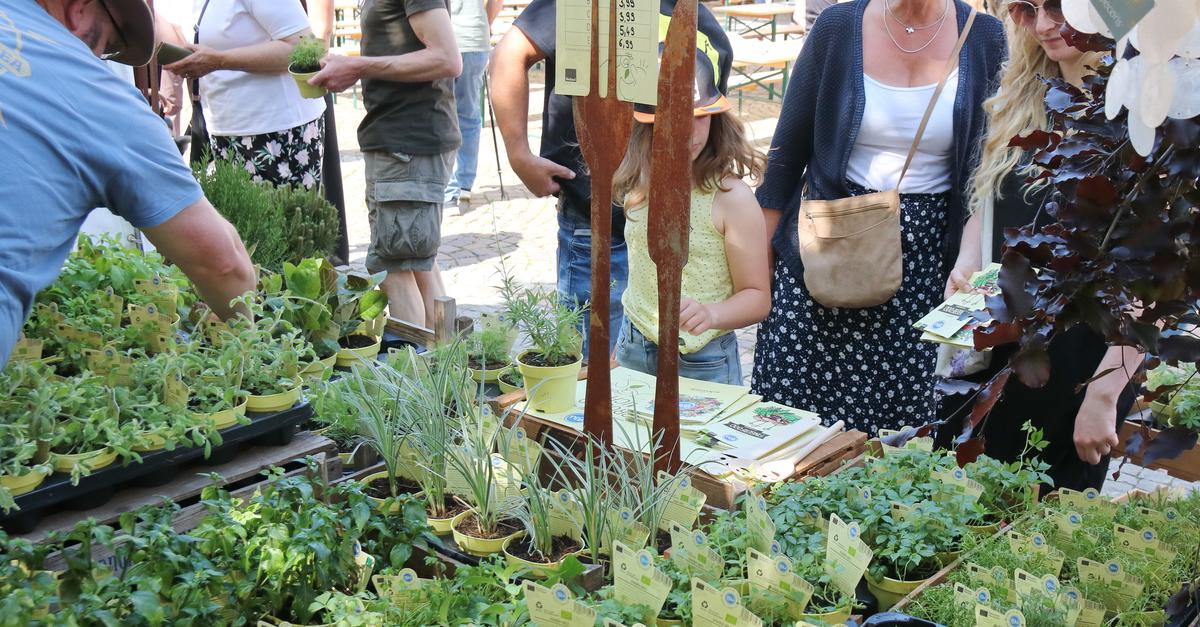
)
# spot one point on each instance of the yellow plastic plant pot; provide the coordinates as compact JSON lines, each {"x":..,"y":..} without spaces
{"x":318,"y":367}
{"x":377,"y":503}
{"x":223,"y":419}
{"x":273,"y":402}
{"x":441,"y":526}
{"x":550,"y":389}
{"x":153,"y":442}
{"x":24,"y":482}
{"x":349,"y":356}
{"x":889,"y":591}
{"x":835,"y":617}
{"x":480,"y":547}
{"x":537,"y":570}
{"x":505,"y":386}
{"x":668,"y":622}
{"x":984,"y":530}
{"x":92,"y":460}
{"x":489,"y":375}
{"x":306,"y":90}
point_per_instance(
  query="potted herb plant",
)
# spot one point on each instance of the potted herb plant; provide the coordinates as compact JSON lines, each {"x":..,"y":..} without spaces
{"x":304,"y":61}
{"x":550,"y":368}
{"x":510,"y":380}
{"x":487,"y":354}
{"x":86,"y":435}
{"x":906,"y":556}
{"x":358,"y":313}
{"x":270,"y":348}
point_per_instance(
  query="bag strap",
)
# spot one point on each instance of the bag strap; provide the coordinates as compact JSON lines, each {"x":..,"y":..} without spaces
{"x":195,"y":82}
{"x":962,"y":39}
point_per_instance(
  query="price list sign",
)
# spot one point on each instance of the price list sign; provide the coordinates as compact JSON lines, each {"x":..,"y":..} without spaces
{"x":637,"y":49}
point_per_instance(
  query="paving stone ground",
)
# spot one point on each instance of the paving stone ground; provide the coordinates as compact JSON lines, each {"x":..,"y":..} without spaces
{"x":504,"y":220}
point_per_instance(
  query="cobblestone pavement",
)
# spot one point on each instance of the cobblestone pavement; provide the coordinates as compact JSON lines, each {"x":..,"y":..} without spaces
{"x":508,"y":221}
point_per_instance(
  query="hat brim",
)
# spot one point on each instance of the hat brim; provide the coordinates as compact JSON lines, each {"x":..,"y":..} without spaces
{"x":136,"y":23}
{"x":720,"y":105}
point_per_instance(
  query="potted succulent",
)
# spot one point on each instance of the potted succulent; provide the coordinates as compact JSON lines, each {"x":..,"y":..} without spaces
{"x":304,"y":61}
{"x":550,"y":368}
{"x":487,"y":354}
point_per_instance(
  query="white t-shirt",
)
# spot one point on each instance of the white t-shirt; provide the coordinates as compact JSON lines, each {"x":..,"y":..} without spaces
{"x":245,"y":103}
{"x":889,"y":123}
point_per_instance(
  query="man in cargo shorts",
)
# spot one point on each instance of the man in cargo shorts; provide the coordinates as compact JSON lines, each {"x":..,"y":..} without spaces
{"x":409,"y":138}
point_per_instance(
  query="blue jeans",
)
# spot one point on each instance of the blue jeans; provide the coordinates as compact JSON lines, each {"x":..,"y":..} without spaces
{"x":717,"y":362}
{"x":575,"y":271}
{"x":468,"y":91}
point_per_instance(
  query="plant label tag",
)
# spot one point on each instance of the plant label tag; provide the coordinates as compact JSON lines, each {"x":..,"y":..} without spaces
{"x":1027,"y":585}
{"x":690,"y":550}
{"x":113,"y":303}
{"x":714,"y":607}
{"x":554,"y":607}
{"x":566,"y":515}
{"x":149,"y":321}
{"x":116,"y":368}
{"x":989,"y":617}
{"x":519,"y":450}
{"x":979,"y":574}
{"x":846,"y":555}
{"x":636,"y":580}
{"x":27,"y":350}
{"x":684,"y":504}
{"x":956,"y":482}
{"x":87,"y":338}
{"x":506,"y":478}
{"x":776,"y":574}
{"x":405,"y":590}
{"x":409,"y":464}
{"x":1118,"y":590}
{"x":160,"y":344}
{"x":1144,"y":543}
{"x":913,"y":444}
{"x":456,"y":482}
{"x":966,"y":596}
{"x":1089,"y":613}
{"x":215,"y":330}
{"x":162,"y":293}
{"x":1088,"y":501}
{"x":638,"y":26}
{"x":760,"y":525}
{"x":623,"y":527}
{"x":1067,"y":523}
{"x":573,"y":65}
{"x":48,"y":312}
{"x":900,"y":511}
{"x":175,"y":391}
{"x":1120,"y":16}
{"x":364,"y":565}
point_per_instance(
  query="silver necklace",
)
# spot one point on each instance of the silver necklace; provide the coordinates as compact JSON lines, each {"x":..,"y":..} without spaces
{"x":912,"y":29}
{"x":933,"y":38}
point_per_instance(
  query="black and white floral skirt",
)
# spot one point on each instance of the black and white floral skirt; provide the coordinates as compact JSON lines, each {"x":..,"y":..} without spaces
{"x":288,"y":157}
{"x":866,"y":367}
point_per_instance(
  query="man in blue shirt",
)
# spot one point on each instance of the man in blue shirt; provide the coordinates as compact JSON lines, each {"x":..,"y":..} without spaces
{"x":73,"y":137}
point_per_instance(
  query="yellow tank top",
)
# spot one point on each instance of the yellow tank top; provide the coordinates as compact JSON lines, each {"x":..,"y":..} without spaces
{"x":706,"y":276}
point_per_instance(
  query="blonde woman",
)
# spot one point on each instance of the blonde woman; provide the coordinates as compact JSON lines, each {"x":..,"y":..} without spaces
{"x":1081,"y":426}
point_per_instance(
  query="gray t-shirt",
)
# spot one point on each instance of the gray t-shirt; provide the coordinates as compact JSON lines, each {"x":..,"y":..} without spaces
{"x":470,"y":25}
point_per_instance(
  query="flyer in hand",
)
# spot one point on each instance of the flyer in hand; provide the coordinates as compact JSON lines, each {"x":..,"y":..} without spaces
{"x":952,"y":322}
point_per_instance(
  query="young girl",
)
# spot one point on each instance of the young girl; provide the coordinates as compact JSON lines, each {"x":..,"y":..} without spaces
{"x":726,"y":285}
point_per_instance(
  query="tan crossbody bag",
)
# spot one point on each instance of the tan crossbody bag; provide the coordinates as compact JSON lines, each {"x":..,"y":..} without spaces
{"x":851,"y":246}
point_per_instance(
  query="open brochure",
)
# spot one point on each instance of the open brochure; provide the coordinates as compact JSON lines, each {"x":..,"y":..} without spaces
{"x":952,"y":322}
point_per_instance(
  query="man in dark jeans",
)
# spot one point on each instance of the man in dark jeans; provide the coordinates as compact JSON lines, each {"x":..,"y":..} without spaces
{"x":559,"y":167}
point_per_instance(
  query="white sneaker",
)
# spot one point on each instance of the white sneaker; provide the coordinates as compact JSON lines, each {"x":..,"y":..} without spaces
{"x":464,"y":195}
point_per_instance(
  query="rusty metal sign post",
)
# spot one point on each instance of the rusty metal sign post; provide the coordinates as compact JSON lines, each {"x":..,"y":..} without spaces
{"x":603,"y":126}
{"x":670,"y":216}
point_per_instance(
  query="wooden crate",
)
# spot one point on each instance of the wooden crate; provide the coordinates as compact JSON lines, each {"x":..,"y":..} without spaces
{"x":1185,"y":467}
{"x":241,"y":476}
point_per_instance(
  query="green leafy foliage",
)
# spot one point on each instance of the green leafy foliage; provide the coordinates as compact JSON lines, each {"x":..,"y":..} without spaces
{"x":278,"y":224}
{"x":306,"y":55}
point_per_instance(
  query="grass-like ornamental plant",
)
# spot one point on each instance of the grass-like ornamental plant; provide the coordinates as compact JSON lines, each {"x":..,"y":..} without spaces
{"x":306,"y":55}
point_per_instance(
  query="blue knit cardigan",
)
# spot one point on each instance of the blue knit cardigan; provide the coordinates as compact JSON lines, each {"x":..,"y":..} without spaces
{"x":823,"y":109}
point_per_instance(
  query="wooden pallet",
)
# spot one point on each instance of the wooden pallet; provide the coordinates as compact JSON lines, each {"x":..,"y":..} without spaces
{"x":241,"y":474}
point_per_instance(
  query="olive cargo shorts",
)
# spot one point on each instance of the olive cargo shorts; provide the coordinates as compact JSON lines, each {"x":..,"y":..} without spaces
{"x":404,"y":206}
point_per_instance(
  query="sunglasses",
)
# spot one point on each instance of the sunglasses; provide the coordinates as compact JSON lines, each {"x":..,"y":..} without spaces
{"x":116,"y":29}
{"x":1024,"y":13}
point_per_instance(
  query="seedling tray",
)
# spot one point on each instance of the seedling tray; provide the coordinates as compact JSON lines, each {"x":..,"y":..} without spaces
{"x":157,"y":468}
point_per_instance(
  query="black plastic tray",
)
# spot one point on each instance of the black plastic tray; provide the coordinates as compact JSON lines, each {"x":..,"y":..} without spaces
{"x":157,"y":468}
